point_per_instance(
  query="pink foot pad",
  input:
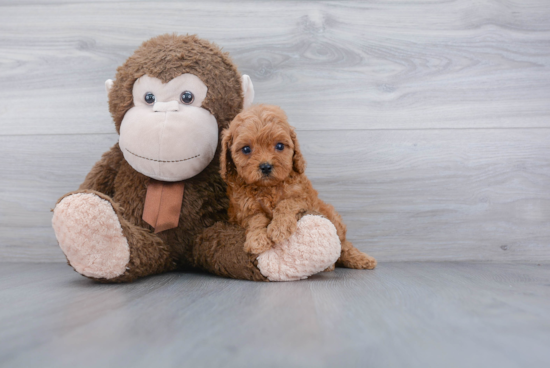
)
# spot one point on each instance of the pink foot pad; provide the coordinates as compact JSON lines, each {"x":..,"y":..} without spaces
{"x":90,"y":235}
{"x":314,"y":247}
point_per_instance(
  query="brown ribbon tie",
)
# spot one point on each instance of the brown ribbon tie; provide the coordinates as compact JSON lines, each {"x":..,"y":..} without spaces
{"x":163,"y":204}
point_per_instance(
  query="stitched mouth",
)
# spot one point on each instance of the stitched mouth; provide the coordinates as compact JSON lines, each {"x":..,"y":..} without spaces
{"x":151,"y":159}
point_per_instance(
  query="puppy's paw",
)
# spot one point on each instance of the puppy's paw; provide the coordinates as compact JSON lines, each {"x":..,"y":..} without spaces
{"x":281,"y":228}
{"x":330,"y":269}
{"x":364,"y":262}
{"x":257,"y":242}
{"x":351,"y":257}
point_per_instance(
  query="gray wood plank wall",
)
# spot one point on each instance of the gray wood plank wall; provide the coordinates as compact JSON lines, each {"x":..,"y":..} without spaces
{"x":426,"y":123}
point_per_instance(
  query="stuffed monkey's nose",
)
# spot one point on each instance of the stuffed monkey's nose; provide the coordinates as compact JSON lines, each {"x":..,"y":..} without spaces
{"x":166,"y":106}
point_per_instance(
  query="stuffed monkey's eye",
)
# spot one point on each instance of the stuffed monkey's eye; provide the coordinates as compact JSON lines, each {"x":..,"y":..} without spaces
{"x":187,"y":97}
{"x":279,"y":146}
{"x":246,"y":150}
{"x":149,"y":98}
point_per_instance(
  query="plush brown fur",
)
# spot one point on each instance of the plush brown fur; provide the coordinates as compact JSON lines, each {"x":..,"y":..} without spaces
{"x":219,"y":249}
{"x":168,"y":56}
{"x":267,"y":205}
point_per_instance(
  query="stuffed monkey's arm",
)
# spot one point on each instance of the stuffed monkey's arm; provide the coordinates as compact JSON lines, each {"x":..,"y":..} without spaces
{"x":257,"y":240}
{"x":284,"y":221}
{"x":102,"y":176}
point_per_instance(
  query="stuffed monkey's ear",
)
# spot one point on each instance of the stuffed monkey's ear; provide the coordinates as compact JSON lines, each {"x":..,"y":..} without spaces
{"x":108,"y":85}
{"x":227,"y":166}
{"x":298,"y":161}
{"x":248,"y":91}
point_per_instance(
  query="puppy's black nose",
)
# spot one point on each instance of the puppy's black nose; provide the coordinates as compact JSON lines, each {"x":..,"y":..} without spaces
{"x":266,"y":168}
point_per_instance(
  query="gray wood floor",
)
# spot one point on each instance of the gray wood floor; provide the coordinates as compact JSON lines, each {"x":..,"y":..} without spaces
{"x":426,"y":123}
{"x":399,"y":315}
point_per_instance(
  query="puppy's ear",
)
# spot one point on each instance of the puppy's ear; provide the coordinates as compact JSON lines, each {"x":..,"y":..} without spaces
{"x":227,"y":166}
{"x":298,"y":161}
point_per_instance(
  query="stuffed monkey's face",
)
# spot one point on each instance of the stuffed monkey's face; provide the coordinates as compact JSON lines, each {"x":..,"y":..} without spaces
{"x":167,"y":135}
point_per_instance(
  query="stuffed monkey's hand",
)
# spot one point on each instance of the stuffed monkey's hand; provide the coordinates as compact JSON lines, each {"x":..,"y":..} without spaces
{"x":257,"y":242}
{"x":281,"y":228}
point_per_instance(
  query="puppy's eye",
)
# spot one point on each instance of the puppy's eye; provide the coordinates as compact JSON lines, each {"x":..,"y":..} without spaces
{"x":279,"y":146}
{"x":246,"y":150}
{"x":187,"y":97}
{"x":149,"y":98}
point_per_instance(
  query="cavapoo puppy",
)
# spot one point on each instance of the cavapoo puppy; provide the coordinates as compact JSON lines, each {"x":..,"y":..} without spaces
{"x":268,"y":191}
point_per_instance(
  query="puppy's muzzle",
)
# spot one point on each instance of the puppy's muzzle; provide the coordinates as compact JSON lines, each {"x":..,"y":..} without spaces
{"x":266,"y":168}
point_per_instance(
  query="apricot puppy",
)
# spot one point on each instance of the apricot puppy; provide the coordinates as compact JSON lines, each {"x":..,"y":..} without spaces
{"x":268,"y":191}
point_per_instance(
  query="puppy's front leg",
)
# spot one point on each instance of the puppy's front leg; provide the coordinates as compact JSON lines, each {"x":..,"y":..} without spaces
{"x":257,"y":240}
{"x":284,"y":221}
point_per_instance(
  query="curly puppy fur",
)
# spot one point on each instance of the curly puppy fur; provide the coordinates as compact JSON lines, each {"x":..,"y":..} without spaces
{"x":268,"y":202}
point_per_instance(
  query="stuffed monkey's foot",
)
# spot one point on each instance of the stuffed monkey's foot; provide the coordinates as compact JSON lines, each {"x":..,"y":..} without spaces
{"x":314,"y":247}
{"x":89,"y":233}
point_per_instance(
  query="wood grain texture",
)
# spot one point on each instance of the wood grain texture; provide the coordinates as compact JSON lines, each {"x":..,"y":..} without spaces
{"x":425,"y":123}
{"x":330,"y":65}
{"x":405,"y":195}
{"x":399,"y":315}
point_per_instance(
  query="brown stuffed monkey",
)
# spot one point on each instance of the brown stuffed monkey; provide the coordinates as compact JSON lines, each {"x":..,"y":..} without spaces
{"x":155,"y":202}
